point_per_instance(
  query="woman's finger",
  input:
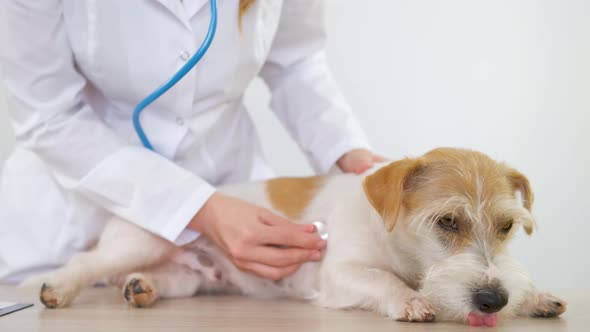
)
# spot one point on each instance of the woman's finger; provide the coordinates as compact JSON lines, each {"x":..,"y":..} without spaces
{"x":378,"y":158}
{"x":291,"y":236}
{"x":282,"y":257}
{"x":283,"y":232}
{"x":267,"y":272}
{"x":269,"y":218}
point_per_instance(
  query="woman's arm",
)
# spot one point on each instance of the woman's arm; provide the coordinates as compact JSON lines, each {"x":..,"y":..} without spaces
{"x":50,"y":118}
{"x":305,"y":96}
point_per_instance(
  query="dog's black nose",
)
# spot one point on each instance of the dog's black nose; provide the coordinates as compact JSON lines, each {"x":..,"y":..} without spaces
{"x":490,"y":301}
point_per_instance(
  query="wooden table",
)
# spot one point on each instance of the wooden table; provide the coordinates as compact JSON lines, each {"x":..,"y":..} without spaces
{"x":102,"y":309}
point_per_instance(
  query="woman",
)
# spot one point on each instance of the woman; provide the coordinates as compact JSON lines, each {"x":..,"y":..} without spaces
{"x":74,"y":70}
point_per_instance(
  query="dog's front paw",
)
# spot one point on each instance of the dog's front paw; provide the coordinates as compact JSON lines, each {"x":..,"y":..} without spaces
{"x":53,"y":296}
{"x":416,"y":309}
{"x":139,"y":291}
{"x":547,"y":306}
{"x":541,"y":305}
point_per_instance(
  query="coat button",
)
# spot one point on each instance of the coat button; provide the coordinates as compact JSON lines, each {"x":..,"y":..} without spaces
{"x":179,"y":121}
{"x":185,"y":55}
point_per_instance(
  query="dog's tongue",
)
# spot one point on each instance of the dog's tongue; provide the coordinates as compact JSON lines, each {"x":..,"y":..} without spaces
{"x":477,"y":319}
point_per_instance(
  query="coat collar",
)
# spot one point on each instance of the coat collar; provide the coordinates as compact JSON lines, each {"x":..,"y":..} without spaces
{"x":195,"y":6}
{"x":183,"y":10}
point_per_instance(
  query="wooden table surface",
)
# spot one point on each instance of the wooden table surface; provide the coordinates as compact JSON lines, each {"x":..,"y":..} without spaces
{"x":102,"y":309}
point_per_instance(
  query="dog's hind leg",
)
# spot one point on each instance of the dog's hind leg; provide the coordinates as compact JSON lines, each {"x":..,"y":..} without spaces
{"x":123,"y":247}
{"x":168,"y":280}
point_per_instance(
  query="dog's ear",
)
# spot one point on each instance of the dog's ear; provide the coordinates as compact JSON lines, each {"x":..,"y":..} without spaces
{"x":385,"y":188}
{"x":520,"y":183}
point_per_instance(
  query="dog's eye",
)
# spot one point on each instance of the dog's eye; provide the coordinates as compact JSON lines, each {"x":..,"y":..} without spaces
{"x":448,"y":223}
{"x":507,"y":228}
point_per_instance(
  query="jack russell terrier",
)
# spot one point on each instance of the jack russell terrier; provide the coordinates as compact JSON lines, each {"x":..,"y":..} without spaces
{"x":413,"y":239}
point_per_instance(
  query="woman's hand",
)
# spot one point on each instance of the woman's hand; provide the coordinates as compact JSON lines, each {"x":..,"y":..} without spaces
{"x":255,"y":239}
{"x":358,"y":161}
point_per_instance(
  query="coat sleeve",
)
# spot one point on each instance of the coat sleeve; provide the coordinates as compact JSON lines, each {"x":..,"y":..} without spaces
{"x":49,"y":116}
{"x":305,"y":96}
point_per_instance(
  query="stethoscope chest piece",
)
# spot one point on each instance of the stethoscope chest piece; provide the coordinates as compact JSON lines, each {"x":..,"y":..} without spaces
{"x":321,"y":229}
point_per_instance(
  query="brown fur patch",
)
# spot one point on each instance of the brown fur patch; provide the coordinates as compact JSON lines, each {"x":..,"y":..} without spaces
{"x":385,"y":189}
{"x":291,"y":195}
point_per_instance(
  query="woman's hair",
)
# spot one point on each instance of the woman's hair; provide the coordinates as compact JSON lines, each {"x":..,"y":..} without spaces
{"x":244,"y":6}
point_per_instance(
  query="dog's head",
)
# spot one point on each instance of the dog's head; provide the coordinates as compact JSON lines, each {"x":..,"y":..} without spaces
{"x":456,"y":211}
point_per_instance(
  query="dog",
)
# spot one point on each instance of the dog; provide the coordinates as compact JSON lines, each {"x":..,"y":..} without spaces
{"x":414,"y":240}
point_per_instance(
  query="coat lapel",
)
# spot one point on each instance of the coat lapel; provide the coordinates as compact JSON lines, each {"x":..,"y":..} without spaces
{"x":194,"y":6}
{"x":177,"y":9}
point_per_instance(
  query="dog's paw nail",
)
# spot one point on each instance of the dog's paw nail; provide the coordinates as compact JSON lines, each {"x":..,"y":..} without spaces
{"x":136,"y":285}
{"x":139,"y":293}
{"x":430,"y":317}
{"x":47,"y":297}
{"x":127,"y":294}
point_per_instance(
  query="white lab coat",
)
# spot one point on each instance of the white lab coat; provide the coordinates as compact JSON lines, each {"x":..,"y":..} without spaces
{"x":73,"y":71}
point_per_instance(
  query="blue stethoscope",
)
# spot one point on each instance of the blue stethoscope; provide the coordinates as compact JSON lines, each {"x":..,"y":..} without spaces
{"x":175,"y":78}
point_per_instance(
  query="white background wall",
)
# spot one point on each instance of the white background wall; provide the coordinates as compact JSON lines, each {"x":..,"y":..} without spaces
{"x":509,"y":78}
